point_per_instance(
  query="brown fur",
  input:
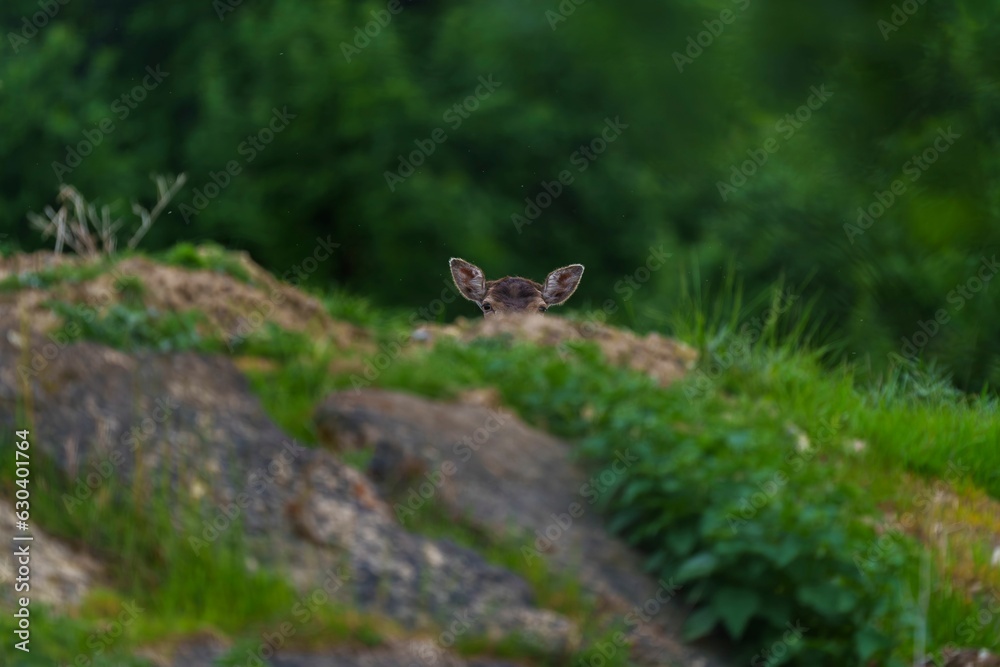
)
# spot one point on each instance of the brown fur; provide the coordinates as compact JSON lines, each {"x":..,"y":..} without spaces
{"x":513,"y":294}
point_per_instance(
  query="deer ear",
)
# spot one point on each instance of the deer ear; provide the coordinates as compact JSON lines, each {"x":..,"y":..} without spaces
{"x":561,"y":283}
{"x":469,"y":279}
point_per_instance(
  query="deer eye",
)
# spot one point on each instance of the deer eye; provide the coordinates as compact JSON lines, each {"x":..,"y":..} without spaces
{"x":542,"y":309}
{"x":486,"y":307}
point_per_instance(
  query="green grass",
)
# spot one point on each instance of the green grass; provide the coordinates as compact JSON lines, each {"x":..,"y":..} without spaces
{"x":555,"y":392}
{"x":131,"y":290}
{"x":207,"y":256}
{"x":142,"y":532}
{"x":351,"y":308}
{"x":912,"y":417}
{"x":134,"y":530}
{"x":754,"y":402}
{"x":907,"y":422}
{"x":912,"y":421}
{"x":290,"y":400}
{"x":62,"y":640}
{"x":559,"y":591}
{"x":61,"y":274}
{"x":707,"y":445}
{"x":131,"y":326}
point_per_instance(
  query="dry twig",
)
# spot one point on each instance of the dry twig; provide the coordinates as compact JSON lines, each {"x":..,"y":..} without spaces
{"x":90,"y":232}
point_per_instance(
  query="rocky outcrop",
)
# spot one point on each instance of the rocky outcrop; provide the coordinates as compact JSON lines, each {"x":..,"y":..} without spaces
{"x":107,"y":419}
{"x":206,"y":651}
{"x":503,"y":477}
{"x":966,"y":658}
{"x":112,"y":420}
{"x":60,"y":576}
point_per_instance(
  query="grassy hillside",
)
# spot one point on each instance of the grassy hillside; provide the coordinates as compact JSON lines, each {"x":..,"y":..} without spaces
{"x":775,"y":493}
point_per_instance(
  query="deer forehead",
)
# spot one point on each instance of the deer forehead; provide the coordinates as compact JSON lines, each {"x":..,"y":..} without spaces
{"x":514,"y":293}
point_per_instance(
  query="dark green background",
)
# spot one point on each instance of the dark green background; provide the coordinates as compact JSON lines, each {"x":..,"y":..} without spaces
{"x":890,"y":92}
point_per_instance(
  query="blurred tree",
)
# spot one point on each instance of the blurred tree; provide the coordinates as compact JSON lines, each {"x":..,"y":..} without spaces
{"x":760,"y":133}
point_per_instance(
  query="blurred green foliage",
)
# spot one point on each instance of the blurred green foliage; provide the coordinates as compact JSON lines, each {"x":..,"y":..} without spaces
{"x":765,"y":487}
{"x":751,"y":497}
{"x":710,"y":91}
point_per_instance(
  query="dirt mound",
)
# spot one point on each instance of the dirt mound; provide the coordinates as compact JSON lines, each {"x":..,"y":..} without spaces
{"x":234,"y":306}
{"x":664,"y":359}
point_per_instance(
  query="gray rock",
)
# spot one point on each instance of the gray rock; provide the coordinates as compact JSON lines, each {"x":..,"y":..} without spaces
{"x":104,"y":416}
{"x":60,"y":576}
{"x":206,"y":651}
{"x":510,"y":478}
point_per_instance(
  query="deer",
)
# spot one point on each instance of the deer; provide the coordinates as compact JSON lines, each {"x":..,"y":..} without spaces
{"x":513,"y":294}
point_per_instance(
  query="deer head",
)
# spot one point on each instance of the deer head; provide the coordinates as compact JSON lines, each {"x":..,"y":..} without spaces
{"x":513,"y":294}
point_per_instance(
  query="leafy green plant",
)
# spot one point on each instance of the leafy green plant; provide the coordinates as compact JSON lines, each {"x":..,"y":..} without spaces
{"x":132,"y":290}
{"x":349,"y":307}
{"x":723,"y":499}
{"x":761,"y":541}
{"x":760,"y":532}
{"x":209,"y":256}
{"x":63,"y":640}
{"x":72,"y":271}
{"x":126,"y":327}
{"x":271,"y":341}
